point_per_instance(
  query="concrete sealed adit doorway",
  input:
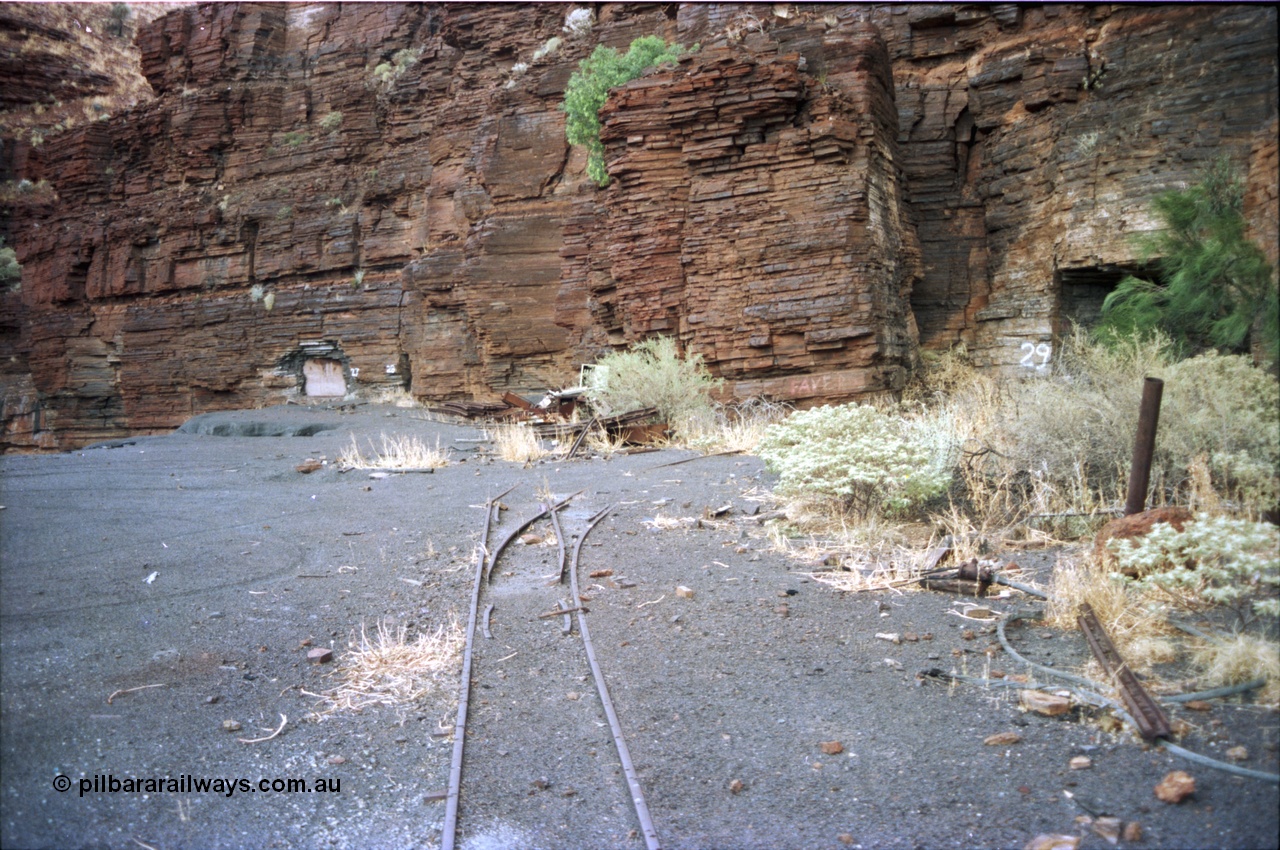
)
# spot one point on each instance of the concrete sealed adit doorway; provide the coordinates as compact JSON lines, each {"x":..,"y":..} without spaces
{"x":323,"y":377}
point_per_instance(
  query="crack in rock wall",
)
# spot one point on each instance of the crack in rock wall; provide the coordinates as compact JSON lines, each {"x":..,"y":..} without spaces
{"x":808,"y":200}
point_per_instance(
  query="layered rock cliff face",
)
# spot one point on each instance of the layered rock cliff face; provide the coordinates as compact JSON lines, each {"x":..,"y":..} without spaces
{"x":371,"y":197}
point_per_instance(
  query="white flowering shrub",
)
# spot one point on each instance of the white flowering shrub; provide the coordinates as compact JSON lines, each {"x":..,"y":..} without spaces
{"x":578,"y":22}
{"x":858,"y":456}
{"x":1214,"y":561}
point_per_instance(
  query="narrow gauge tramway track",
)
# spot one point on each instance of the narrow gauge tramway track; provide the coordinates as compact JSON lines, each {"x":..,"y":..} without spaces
{"x":566,"y":738}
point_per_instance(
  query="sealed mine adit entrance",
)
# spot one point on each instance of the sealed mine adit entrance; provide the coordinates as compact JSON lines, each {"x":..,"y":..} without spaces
{"x":320,"y":366}
{"x":323,"y":377}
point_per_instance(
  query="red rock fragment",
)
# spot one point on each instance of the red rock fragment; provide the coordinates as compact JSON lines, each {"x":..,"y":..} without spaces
{"x":1050,"y":705}
{"x":1053,"y":842}
{"x":832,"y":748}
{"x":320,"y":655}
{"x":1176,"y":787}
{"x":309,"y":466}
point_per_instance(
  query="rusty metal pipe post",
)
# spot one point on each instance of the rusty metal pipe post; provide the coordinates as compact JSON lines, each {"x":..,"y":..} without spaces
{"x":1144,"y":446}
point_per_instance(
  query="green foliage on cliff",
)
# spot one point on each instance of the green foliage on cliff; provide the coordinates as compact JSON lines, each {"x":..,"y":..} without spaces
{"x":10,"y":271}
{"x":1214,"y":284}
{"x":589,"y":86}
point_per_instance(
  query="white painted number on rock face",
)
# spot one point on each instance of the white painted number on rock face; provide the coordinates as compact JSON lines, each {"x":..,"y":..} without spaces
{"x":1043,"y":351}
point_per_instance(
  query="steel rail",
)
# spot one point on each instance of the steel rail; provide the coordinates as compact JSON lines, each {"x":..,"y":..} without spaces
{"x":555,"y":523}
{"x":464,"y":687}
{"x":497,"y":552}
{"x":1128,"y":718}
{"x":619,"y":742}
{"x":1151,"y":719}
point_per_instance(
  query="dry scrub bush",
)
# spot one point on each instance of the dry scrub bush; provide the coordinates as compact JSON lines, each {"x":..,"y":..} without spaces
{"x":733,"y":428}
{"x":653,"y":374}
{"x":1225,"y":413}
{"x":1063,"y":442}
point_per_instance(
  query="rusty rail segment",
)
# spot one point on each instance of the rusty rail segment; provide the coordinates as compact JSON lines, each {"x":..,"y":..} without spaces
{"x":464,"y":687}
{"x":1144,"y":446}
{"x":497,"y":552}
{"x":485,"y":562}
{"x":1150,"y":718}
{"x":619,"y":742}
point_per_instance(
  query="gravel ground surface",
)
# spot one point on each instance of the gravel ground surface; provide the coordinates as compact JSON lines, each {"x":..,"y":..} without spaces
{"x":209,"y":566}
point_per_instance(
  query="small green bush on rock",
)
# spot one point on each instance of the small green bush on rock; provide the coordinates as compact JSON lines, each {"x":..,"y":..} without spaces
{"x":10,"y":270}
{"x":866,"y":460}
{"x":589,"y":86}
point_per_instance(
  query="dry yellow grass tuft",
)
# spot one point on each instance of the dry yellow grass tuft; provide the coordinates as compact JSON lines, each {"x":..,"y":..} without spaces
{"x":393,"y":670}
{"x":602,"y":443}
{"x":1242,"y":659}
{"x":516,"y":443}
{"x":1136,"y":626}
{"x":737,"y":428}
{"x":399,"y":452}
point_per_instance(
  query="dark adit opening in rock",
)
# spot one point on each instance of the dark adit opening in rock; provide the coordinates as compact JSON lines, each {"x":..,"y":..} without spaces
{"x":1081,"y":291}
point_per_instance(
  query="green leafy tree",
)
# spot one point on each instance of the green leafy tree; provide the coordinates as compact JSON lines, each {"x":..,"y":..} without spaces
{"x":589,"y":86}
{"x":1214,"y":284}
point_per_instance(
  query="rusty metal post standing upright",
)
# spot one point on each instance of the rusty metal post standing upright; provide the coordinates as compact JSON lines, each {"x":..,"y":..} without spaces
{"x":1144,"y":447}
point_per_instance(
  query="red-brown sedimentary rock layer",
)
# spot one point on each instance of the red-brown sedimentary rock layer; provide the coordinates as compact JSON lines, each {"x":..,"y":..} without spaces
{"x":758,"y":217}
{"x":388,"y":186}
{"x":1034,"y":138}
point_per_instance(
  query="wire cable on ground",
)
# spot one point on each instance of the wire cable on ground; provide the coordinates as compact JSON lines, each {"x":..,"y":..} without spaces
{"x":1119,"y":710}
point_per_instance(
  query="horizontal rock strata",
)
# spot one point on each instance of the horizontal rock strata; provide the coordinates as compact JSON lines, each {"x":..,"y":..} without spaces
{"x":382,"y":195}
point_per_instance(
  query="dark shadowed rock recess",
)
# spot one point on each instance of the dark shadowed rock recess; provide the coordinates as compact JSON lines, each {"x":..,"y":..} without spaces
{"x":332,"y":199}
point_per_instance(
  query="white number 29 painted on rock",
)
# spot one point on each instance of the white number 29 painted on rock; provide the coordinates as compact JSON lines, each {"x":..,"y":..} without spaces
{"x":1031,"y":351}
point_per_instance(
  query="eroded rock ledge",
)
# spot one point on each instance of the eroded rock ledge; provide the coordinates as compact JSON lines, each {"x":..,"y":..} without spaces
{"x":380,"y":197}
